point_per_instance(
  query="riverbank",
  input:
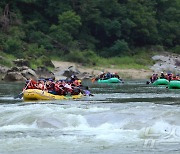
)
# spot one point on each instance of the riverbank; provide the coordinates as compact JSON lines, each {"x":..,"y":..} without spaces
{"x":165,"y":62}
{"x":94,"y":71}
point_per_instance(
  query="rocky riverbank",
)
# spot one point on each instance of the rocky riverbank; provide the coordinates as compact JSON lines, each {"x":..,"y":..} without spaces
{"x":84,"y":72}
{"x":21,"y":71}
{"x":164,"y":62}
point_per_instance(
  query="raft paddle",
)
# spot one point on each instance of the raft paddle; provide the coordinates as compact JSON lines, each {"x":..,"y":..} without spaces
{"x":20,"y":95}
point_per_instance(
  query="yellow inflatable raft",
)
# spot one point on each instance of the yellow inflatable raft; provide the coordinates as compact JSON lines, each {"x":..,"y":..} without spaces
{"x":36,"y":94}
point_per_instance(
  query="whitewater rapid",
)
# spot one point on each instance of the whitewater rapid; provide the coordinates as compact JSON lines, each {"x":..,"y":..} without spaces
{"x":50,"y":126}
{"x":109,"y":122}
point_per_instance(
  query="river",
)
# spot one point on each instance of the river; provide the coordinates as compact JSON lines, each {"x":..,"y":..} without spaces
{"x":127,"y":118}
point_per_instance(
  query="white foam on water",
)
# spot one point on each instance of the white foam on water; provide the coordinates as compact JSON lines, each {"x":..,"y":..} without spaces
{"x":51,"y":125}
{"x":18,"y":127}
{"x":7,"y":98}
{"x":47,"y":117}
{"x":29,"y":143}
{"x":116,"y":136}
{"x":161,"y":130}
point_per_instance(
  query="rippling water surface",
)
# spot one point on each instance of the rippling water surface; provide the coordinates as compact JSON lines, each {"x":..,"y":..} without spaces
{"x":128,"y":118}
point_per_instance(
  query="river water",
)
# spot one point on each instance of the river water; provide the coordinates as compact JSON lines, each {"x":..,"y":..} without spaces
{"x":120,"y":118}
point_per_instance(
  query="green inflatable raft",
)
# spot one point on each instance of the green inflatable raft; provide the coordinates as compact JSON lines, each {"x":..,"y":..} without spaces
{"x":161,"y":82}
{"x":111,"y":80}
{"x":174,"y":84}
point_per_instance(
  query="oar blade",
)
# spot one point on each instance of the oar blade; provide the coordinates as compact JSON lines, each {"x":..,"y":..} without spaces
{"x":19,"y":96}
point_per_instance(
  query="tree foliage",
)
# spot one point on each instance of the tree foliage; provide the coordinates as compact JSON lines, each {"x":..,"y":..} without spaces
{"x":108,"y":27}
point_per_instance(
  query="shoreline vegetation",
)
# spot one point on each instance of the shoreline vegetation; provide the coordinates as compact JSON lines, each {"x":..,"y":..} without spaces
{"x":109,"y":35}
{"x":135,"y":67}
{"x":128,"y":67}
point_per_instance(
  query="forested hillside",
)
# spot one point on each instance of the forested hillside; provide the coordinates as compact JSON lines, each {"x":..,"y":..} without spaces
{"x":77,"y":29}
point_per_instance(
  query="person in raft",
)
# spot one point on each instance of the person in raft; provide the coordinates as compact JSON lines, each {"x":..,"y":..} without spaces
{"x":60,"y":87}
{"x":30,"y":84}
{"x":115,"y":75}
{"x":153,"y":78}
{"x":108,"y":75}
{"x":162,"y":76}
{"x":168,"y":76}
{"x":86,"y":92}
{"x":176,"y":77}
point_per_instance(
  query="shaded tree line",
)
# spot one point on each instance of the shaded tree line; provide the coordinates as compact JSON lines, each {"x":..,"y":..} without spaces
{"x":108,"y":28}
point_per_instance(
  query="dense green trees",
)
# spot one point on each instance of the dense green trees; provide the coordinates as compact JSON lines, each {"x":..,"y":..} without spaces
{"x":31,"y":28}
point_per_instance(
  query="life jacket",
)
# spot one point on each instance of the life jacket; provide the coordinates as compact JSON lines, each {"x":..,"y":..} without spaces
{"x":77,"y":82}
{"x":51,"y":87}
{"x":29,"y":86}
{"x":175,"y":78}
{"x":41,"y":86}
{"x":68,"y":88}
{"x":166,"y":77}
{"x":61,"y":90}
{"x":56,"y":87}
{"x":32,"y":84}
